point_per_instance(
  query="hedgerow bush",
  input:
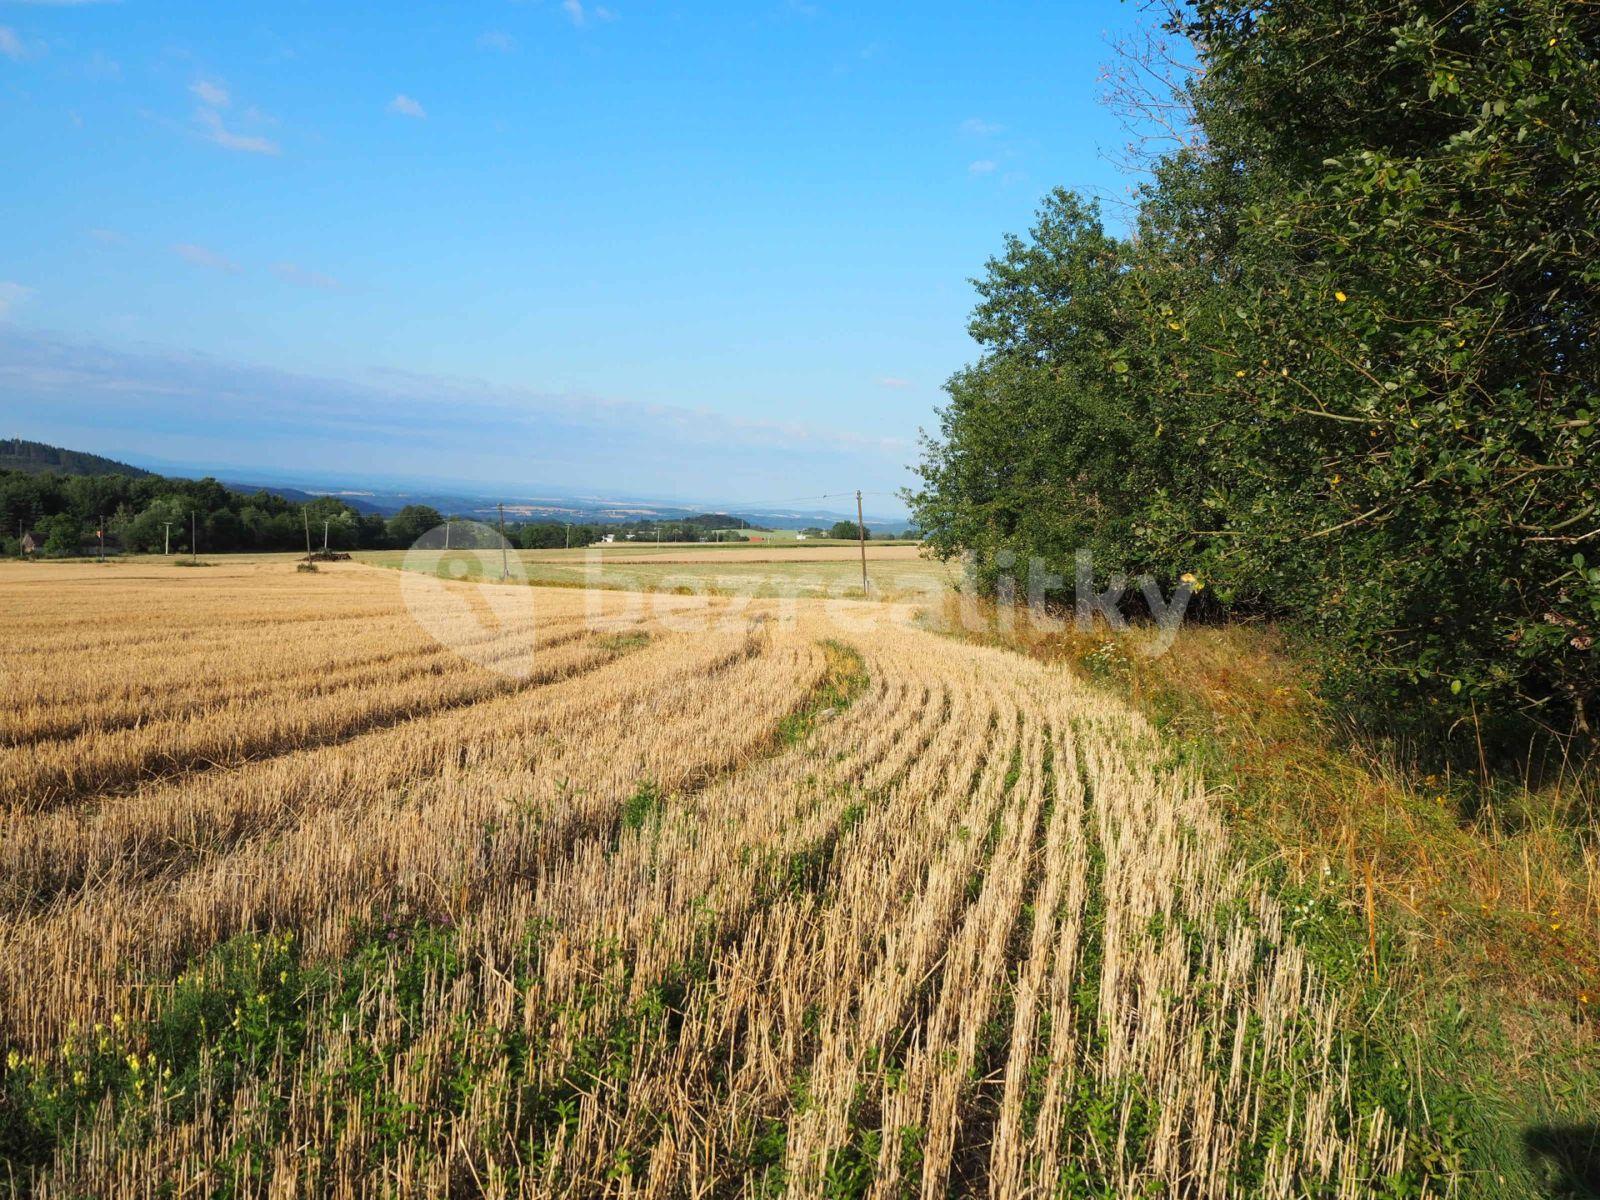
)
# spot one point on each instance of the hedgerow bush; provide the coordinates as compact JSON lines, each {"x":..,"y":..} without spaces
{"x":1344,"y":369}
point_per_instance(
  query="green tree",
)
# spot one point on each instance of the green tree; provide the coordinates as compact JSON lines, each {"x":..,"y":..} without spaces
{"x":1346,"y":369}
{"x":64,"y":535}
{"x":408,"y":525}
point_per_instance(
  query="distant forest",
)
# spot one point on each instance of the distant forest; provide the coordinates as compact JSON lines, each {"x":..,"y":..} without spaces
{"x":63,"y":500}
{"x":17,"y":454}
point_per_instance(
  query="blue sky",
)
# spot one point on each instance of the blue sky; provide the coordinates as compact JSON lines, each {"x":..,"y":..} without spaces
{"x":680,"y":250}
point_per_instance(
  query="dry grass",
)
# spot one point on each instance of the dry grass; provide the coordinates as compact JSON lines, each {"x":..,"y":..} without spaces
{"x":296,"y":903}
{"x":1468,"y":915}
{"x":1504,"y":880}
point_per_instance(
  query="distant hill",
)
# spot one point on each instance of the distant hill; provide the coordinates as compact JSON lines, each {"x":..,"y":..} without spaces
{"x":296,"y":496}
{"x":36,"y":457}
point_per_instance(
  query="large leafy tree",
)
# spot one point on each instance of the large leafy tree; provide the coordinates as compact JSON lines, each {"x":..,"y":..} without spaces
{"x":1345,"y":369}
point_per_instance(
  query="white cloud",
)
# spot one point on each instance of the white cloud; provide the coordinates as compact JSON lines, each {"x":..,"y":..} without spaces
{"x":214,"y":97}
{"x":390,"y":420}
{"x":210,"y":92}
{"x":894,"y":381}
{"x":978,"y":127}
{"x":984,"y":166}
{"x":498,"y":41}
{"x":11,"y":295}
{"x":11,"y":45}
{"x":209,"y":259}
{"x":299,"y":276}
{"x":214,"y":130}
{"x":579,"y":15}
{"x":404,"y":106}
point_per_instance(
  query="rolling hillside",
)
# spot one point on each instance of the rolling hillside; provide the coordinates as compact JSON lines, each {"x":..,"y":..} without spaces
{"x":18,"y":454}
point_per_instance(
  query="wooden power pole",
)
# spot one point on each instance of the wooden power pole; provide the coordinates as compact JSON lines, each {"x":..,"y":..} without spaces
{"x":505,"y":567}
{"x":305,"y":515}
{"x":166,"y":537}
{"x":861,"y":536}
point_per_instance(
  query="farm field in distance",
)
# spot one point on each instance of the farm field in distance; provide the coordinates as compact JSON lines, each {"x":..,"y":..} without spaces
{"x":895,"y":571}
{"x":360,"y":883}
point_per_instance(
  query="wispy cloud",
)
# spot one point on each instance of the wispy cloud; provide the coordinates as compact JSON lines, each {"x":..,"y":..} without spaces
{"x":215,"y":130}
{"x":108,"y":237}
{"x":388,"y":421}
{"x":301,"y":277}
{"x":214,"y":97}
{"x":497,"y":40}
{"x":978,"y":127}
{"x":894,"y":381}
{"x":209,"y":259}
{"x":11,"y":45}
{"x":11,"y":295}
{"x":210,"y":92}
{"x":579,"y":15}
{"x":984,"y":166}
{"x":404,"y":106}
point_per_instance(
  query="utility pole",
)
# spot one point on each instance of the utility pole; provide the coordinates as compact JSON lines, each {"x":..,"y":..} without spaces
{"x":569,"y":535}
{"x":447,"y":533}
{"x":194,"y":539}
{"x":100,"y":532}
{"x":305,"y":515}
{"x":861,"y":536}
{"x":325,"y":535}
{"x":166,"y":537}
{"x":505,"y":568}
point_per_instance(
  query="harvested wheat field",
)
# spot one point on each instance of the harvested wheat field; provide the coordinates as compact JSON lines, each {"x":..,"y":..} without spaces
{"x":685,"y":898}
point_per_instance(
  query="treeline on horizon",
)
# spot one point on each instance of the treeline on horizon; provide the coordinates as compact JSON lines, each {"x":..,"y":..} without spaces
{"x":139,"y":514}
{"x":1342,"y":368}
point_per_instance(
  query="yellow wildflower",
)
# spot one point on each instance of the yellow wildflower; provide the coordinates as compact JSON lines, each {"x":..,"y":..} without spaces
{"x":1340,"y":297}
